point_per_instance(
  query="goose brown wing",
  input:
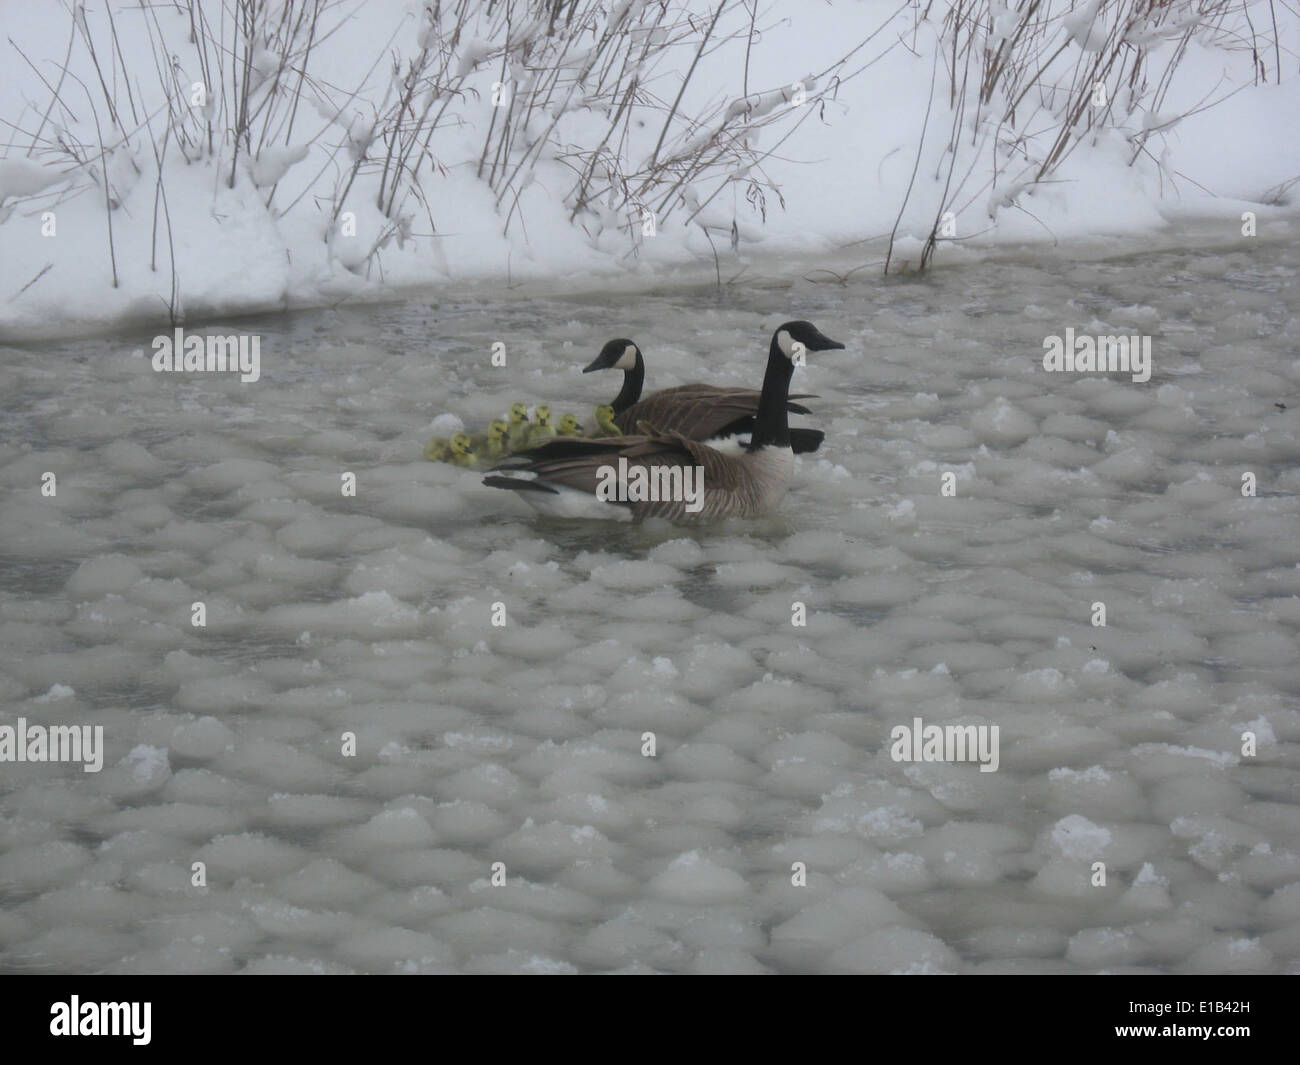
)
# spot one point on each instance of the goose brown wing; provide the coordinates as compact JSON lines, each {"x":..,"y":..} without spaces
{"x":570,"y":461}
{"x":727,"y":483}
{"x":575,"y":463}
{"x":653,"y":446}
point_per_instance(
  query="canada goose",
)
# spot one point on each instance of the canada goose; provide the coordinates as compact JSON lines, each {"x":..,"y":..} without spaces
{"x":699,"y":412}
{"x":519,"y":427}
{"x":461,"y":451}
{"x":628,"y":477}
{"x":437,"y":449}
{"x":492,"y":444}
{"x":542,"y":430}
{"x":605,"y":424}
{"x":568,"y":425}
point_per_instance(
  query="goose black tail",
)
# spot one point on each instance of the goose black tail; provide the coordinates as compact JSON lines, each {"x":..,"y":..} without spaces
{"x":805,"y":440}
{"x":517,"y":485}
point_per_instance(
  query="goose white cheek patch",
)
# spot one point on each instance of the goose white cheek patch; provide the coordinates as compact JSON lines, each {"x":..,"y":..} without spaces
{"x":627,"y":360}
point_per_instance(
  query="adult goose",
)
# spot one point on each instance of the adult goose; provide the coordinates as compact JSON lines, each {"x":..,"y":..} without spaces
{"x":699,"y":412}
{"x":664,"y":473}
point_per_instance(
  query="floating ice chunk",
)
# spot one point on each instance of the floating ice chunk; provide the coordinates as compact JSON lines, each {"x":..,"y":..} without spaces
{"x":754,"y":574}
{"x":1077,"y":837}
{"x":663,"y":667}
{"x":692,"y":878}
{"x":397,"y":950}
{"x":881,"y":823}
{"x":1263,"y":731}
{"x":445,"y":424}
{"x":635,"y":575}
{"x":400,"y":828}
{"x":101,"y":576}
{"x":1046,"y":684}
{"x":1149,"y":891}
{"x":1003,"y":423}
{"x":1221,"y":759}
{"x":903,"y":511}
{"x":203,"y":738}
{"x":819,"y":927}
{"x":1104,"y":947}
{"x":41,"y":866}
{"x":896,"y":951}
{"x":248,"y":854}
{"x":147,"y":765}
{"x":284,"y":965}
{"x":520,"y":962}
{"x":372,"y":612}
{"x":306,"y":811}
{"x":1229,"y":954}
{"x":680,"y":552}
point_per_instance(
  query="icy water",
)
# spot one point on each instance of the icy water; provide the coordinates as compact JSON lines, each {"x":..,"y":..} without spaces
{"x":1120,"y":746}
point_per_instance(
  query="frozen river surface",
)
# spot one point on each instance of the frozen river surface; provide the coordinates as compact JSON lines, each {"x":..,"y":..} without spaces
{"x":1129,"y":826}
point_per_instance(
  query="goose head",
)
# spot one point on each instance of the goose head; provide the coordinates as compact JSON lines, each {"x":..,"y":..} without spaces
{"x":795,"y":338}
{"x":619,"y":354}
{"x":790,"y":344}
{"x":623,"y":355}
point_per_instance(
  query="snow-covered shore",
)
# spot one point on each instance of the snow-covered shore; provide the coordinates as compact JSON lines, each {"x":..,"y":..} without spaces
{"x":276,"y":238}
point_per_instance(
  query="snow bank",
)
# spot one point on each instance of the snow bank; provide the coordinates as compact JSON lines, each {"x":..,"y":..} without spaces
{"x":133,"y":204}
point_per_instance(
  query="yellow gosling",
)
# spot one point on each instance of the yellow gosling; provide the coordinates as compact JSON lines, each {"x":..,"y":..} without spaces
{"x":462,"y":453}
{"x":518,"y":428}
{"x":542,"y":430}
{"x":605,"y":421}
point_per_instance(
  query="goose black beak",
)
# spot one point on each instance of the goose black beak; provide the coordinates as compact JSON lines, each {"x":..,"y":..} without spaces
{"x":825,"y":343}
{"x":597,"y":364}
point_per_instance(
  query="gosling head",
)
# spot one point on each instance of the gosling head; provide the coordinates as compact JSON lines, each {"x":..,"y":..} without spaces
{"x":569,"y":425}
{"x":460,"y":445}
{"x":497,"y":430}
{"x":542,"y":414}
{"x":518,"y":413}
